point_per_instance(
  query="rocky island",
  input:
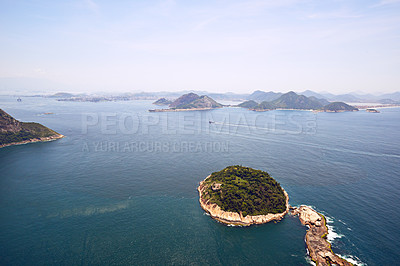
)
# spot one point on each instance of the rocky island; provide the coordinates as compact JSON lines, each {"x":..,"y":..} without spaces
{"x":337,"y":107}
{"x":189,"y":102}
{"x":294,"y":101}
{"x":319,"y":248}
{"x":371,"y":110}
{"x":243,"y":196}
{"x":13,"y":132}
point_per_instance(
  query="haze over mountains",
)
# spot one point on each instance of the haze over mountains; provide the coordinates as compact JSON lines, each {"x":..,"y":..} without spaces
{"x":257,"y":96}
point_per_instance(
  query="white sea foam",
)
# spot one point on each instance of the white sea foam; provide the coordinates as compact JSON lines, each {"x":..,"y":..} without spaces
{"x":332,"y":235}
{"x":308,"y":259}
{"x":352,"y":259}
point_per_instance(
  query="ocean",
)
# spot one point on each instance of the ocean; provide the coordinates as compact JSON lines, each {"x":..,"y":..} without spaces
{"x":120,"y":188}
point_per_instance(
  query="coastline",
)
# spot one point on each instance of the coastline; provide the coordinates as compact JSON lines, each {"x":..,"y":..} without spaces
{"x":234,"y":218}
{"x":45,"y":139}
{"x":319,"y":249}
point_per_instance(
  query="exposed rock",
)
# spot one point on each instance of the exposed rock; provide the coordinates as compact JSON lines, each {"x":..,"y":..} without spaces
{"x":319,"y":248}
{"x":8,"y":123}
{"x":216,"y":186}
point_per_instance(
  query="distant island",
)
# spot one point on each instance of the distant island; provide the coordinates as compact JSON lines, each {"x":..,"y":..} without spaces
{"x":162,"y":101}
{"x":188,"y":102}
{"x":13,"y":132}
{"x":294,"y":101}
{"x":371,"y":110}
{"x":243,"y":196}
{"x":339,"y":107}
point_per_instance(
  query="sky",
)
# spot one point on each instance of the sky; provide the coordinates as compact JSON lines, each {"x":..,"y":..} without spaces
{"x":338,"y":46}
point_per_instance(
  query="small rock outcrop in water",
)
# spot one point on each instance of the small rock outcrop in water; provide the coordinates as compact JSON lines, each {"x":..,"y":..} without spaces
{"x":229,"y":196}
{"x":370,"y":110}
{"x":319,"y":248}
{"x":13,"y":132}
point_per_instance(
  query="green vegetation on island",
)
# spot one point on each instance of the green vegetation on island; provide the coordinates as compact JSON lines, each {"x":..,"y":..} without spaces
{"x":162,"y":101}
{"x":13,"y":131}
{"x":248,"y":104}
{"x":246,"y":190}
{"x":191,"y":101}
{"x":339,"y":107}
{"x":292,"y":100}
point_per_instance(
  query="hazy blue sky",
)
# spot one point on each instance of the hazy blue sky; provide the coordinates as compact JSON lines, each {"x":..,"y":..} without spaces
{"x":240,"y":46}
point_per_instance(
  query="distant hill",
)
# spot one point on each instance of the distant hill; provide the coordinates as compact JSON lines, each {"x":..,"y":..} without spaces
{"x":310,"y":93}
{"x":339,"y":107}
{"x":320,"y":100}
{"x":13,"y":131}
{"x":192,"y":100}
{"x":62,"y":95}
{"x":350,"y":98}
{"x":265,"y":106}
{"x":162,"y":101}
{"x":393,"y":96}
{"x":292,"y":100}
{"x":248,"y":104}
{"x":184,"y":100}
{"x":262,"y":96}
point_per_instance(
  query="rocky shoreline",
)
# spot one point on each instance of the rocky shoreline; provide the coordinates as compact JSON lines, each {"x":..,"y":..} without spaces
{"x":235,"y":218}
{"x":51,"y":138}
{"x":319,"y":248}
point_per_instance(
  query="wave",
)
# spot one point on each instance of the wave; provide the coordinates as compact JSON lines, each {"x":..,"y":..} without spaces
{"x":352,"y":259}
{"x":332,"y":235}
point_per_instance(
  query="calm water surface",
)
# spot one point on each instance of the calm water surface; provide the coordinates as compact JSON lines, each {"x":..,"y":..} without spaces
{"x":121,"y":187}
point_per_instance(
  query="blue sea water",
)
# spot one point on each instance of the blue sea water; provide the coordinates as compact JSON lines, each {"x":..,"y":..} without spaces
{"x":120,"y":188}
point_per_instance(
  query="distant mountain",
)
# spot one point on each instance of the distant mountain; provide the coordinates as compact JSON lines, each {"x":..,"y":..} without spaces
{"x":248,"y":104}
{"x":62,"y":95}
{"x":192,"y":100}
{"x":202,"y":102}
{"x":265,"y":106}
{"x":228,"y":96}
{"x":338,"y":107}
{"x":184,"y":100}
{"x":292,"y":100}
{"x":346,"y":98}
{"x":13,"y":131}
{"x":310,"y":93}
{"x":320,"y":100}
{"x":388,"y":101}
{"x":262,"y":96}
{"x":162,"y":101}
{"x":393,"y":96}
